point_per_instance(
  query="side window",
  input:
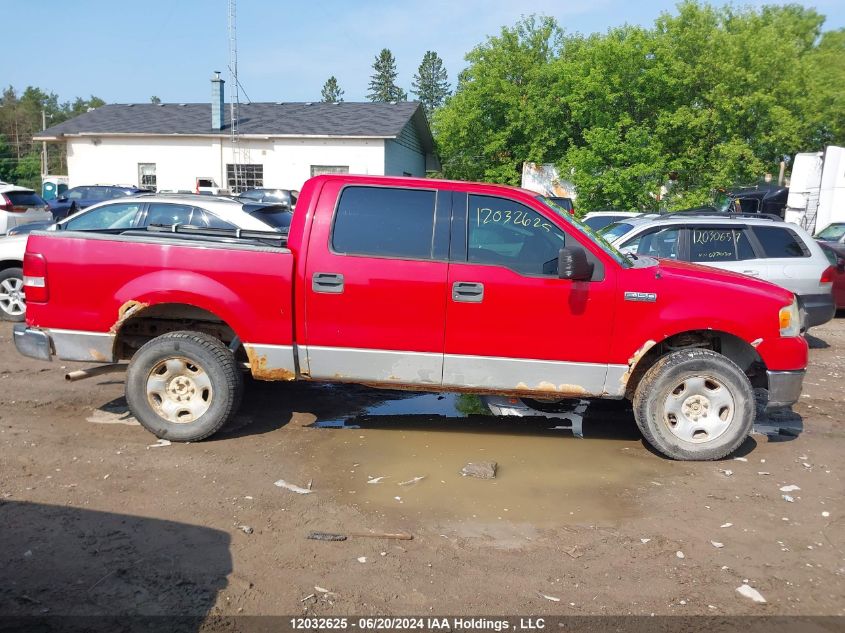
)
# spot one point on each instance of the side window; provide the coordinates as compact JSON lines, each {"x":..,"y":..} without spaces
{"x":384,"y":222}
{"x":717,"y":244}
{"x":210,"y":221}
{"x":655,"y":243}
{"x":99,"y":193}
{"x":77,"y":193}
{"x":168,"y":214}
{"x":110,"y":216}
{"x":505,"y":233}
{"x":779,"y":242}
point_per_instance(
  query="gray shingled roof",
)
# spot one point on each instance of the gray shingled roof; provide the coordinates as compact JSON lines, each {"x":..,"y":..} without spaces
{"x":316,"y":119}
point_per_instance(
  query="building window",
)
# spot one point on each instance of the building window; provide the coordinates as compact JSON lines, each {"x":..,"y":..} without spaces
{"x":147,"y":176}
{"x":317,"y":170}
{"x":249,"y":177}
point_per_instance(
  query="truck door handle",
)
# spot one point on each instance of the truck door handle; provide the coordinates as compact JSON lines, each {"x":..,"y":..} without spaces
{"x":751,"y":273}
{"x":467,"y":292}
{"x":329,"y":283}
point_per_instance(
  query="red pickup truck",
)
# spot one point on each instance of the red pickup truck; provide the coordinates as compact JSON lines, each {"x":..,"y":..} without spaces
{"x":414,"y":284}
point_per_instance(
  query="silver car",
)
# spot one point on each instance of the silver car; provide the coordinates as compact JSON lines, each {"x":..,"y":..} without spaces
{"x":755,"y":245}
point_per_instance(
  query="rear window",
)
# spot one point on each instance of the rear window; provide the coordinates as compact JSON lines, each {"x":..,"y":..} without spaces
{"x":716,"y":244}
{"x":384,"y":222}
{"x":25,"y":199}
{"x":780,"y":242}
{"x":276,"y":216}
{"x":203,"y":182}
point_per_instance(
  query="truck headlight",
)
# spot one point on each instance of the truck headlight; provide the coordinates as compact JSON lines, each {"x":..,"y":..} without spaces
{"x":790,"y":320}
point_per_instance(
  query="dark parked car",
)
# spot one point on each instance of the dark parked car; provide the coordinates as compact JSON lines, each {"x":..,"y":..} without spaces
{"x":284,"y":197}
{"x":83,"y":197}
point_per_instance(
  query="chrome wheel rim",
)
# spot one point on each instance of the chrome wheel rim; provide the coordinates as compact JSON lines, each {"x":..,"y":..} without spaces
{"x":699,"y":409}
{"x":179,"y":390}
{"x":11,"y":296}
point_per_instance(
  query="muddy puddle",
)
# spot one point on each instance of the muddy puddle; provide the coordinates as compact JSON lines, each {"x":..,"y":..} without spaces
{"x":401,"y":456}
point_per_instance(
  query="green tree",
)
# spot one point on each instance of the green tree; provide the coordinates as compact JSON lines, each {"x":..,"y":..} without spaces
{"x":331,"y":92}
{"x":383,"y":80}
{"x":495,"y":120}
{"x":155,"y":100}
{"x":431,"y":83}
{"x":718,"y":96}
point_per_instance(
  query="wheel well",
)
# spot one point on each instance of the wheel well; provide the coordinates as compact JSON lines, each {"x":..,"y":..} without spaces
{"x":10,"y":263}
{"x":138,"y":324}
{"x":729,"y":345}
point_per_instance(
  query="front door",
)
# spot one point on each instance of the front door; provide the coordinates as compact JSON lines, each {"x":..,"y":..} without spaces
{"x":375,"y":302}
{"x":512,"y":325}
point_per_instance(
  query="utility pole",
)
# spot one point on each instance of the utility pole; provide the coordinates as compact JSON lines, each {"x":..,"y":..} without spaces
{"x":45,"y":168}
{"x":233,"y":83}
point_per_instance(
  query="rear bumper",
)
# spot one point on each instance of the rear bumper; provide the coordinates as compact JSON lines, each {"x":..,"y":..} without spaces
{"x":784,"y":388}
{"x":816,"y":309}
{"x":32,"y":343}
{"x":93,"y":347}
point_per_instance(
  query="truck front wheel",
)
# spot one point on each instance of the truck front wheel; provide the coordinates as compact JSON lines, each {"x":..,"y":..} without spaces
{"x":183,"y":386}
{"x":694,"y":404}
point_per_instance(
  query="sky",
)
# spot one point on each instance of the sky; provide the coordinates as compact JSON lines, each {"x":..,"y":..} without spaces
{"x":126,"y":52}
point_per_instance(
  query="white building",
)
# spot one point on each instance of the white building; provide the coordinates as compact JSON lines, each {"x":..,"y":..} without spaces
{"x":280,"y":145}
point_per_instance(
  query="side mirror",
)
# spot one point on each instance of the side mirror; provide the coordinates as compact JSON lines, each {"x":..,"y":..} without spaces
{"x":62,"y":198}
{"x":572,"y":264}
{"x":840,"y":265}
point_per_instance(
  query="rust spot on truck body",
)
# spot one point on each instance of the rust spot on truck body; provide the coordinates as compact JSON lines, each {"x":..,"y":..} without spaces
{"x":636,"y":358}
{"x":127,"y":311}
{"x":260,"y":370}
{"x":547,"y":387}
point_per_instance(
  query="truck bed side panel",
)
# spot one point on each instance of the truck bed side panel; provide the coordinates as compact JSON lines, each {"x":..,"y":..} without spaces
{"x":94,"y":279}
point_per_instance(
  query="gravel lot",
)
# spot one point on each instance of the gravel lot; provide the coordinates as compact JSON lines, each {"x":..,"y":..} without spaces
{"x":94,"y":519}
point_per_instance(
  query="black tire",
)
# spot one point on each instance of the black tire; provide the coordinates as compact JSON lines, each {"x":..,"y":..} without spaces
{"x":210,"y":380}
{"x":9,"y":306}
{"x":682,"y":375}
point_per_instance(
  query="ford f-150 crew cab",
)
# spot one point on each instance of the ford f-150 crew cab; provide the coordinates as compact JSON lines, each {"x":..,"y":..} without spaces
{"x":414,"y":284}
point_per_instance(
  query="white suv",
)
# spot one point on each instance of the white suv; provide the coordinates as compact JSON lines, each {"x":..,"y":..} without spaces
{"x":752,"y":244}
{"x":19,"y":205}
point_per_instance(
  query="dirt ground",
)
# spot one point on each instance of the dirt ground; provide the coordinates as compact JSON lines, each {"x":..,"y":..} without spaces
{"x":95,"y":519}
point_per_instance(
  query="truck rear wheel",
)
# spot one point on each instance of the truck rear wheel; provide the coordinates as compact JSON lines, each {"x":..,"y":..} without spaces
{"x":694,"y":404}
{"x":183,"y":386}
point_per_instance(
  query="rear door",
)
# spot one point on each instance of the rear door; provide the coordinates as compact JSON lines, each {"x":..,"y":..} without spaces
{"x":375,"y":301}
{"x":727,"y":247}
{"x":512,"y":325}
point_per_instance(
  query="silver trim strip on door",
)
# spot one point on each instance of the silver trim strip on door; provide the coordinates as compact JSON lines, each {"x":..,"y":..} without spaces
{"x":518,"y":375}
{"x":371,"y":365}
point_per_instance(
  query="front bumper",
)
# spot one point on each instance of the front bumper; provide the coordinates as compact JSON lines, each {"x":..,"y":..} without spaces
{"x":816,"y":309}
{"x":32,"y":343}
{"x":784,"y":388}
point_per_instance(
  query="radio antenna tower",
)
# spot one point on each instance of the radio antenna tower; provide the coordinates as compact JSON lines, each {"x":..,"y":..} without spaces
{"x":235,"y":91}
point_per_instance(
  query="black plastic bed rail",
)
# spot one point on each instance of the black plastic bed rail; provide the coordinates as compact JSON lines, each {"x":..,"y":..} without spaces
{"x":266,"y":238}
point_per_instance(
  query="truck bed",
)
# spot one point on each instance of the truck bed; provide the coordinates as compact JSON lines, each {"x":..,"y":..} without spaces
{"x":96,"y":281}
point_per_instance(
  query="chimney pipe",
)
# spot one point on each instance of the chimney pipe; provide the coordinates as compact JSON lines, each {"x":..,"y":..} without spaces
{"x":218,"y":112}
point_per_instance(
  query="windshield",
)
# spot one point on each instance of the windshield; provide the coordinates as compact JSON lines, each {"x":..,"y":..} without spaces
{"x":606,"y":246}
{"x":613,"y":232}
{"x":832,"y":233}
